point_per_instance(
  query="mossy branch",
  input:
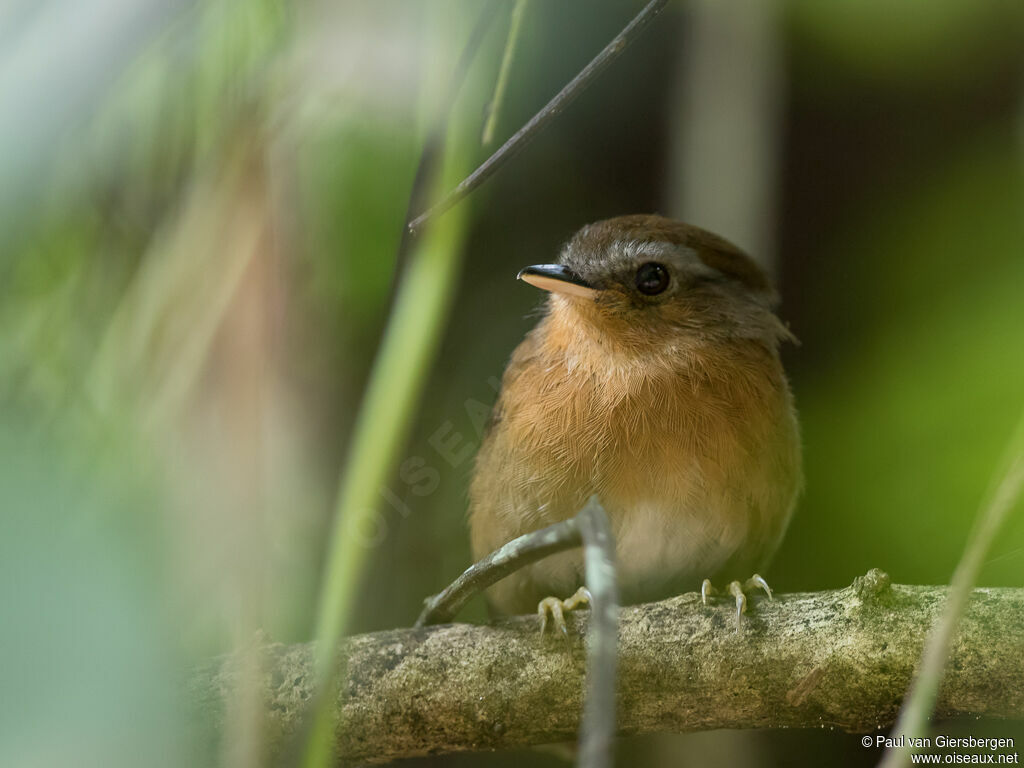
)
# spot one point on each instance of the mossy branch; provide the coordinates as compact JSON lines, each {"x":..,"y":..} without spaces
{"x":840,"y":658}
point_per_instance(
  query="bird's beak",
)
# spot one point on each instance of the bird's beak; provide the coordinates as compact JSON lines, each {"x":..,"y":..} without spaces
{"x":557,"y":279}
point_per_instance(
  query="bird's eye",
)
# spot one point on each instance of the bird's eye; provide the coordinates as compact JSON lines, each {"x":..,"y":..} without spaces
{"x":651,"y":278}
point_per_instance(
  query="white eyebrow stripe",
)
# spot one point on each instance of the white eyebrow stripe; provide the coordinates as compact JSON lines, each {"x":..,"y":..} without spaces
{"x":679,"y":255}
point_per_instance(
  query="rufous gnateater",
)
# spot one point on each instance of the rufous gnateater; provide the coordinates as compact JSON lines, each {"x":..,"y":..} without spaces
{"x":653,"y":381}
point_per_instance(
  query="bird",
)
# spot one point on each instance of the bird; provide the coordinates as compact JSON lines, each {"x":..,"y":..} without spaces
{"x":653,"y":380}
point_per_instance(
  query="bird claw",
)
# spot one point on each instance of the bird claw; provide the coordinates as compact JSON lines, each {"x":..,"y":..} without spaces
{"x":737,"y":590}
{"x":557,"y":607}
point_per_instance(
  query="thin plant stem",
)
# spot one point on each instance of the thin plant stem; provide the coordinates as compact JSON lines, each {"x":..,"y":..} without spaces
{"x":433,"y":144}
{"x":539,"y":121}
{"x":597,"y":728}
{"x":920,"y":701}
{"x":520,"y":552}
{"x":398,"y":377}
{"x":399,"y":373}
{"x":514,"y":26}
{"x":590,"y":527}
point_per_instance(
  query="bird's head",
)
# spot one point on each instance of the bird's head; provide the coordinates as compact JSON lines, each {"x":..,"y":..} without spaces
{"x":645,"y":280}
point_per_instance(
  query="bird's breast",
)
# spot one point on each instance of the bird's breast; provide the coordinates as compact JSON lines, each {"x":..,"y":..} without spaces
{"x":692,"y":464}
{"x":697,"y":465}
{"x":677,"y":474}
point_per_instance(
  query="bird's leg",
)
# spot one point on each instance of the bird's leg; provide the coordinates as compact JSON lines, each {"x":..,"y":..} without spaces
{"x":556,"y":608}
{"x":737,"y":591}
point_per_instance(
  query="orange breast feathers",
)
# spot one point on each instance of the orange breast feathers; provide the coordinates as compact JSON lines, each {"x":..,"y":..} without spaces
{"x":693,"y":450}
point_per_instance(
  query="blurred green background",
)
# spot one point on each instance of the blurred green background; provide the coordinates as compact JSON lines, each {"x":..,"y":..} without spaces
{"x":200,"y":209}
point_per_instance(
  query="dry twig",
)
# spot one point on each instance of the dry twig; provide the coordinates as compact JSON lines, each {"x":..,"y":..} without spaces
{"x":537,"y":123}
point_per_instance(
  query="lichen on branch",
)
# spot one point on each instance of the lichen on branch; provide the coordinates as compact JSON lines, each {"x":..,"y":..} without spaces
{"x":840,"y":658}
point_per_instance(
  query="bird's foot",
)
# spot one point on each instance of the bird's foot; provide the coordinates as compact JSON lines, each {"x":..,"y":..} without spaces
{"x":737,"y":591}
{"x":555,"y":608}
